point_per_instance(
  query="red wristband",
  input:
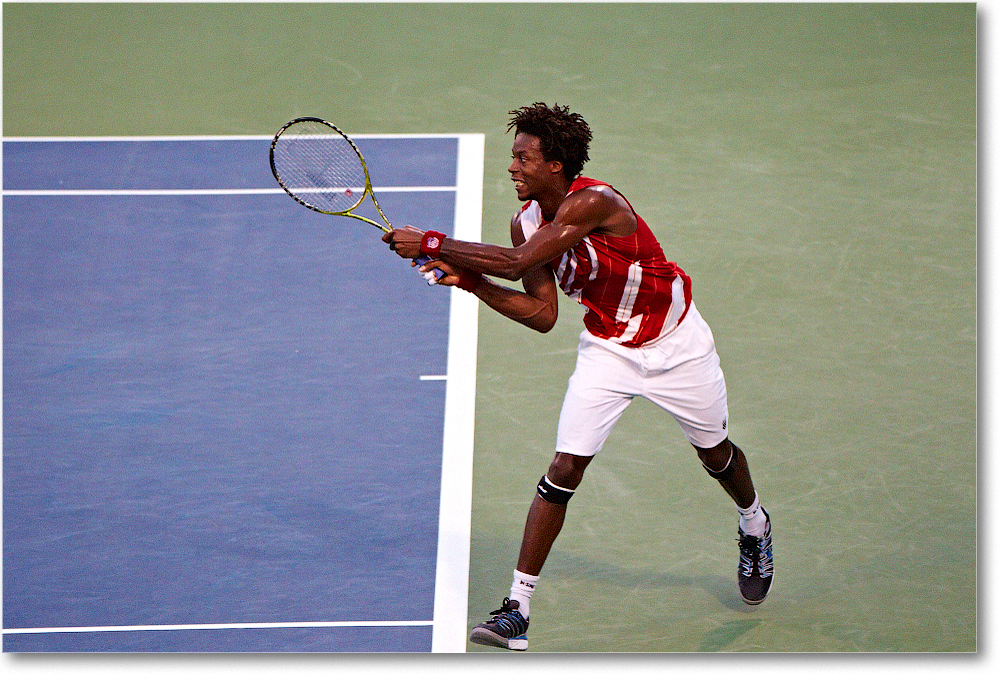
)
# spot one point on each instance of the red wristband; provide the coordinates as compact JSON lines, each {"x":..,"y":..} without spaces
{"x":430,"y":245}
{"x":468,"y":281}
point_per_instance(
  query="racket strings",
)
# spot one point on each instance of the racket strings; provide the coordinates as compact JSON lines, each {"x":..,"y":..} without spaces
{"x":319,"y":167}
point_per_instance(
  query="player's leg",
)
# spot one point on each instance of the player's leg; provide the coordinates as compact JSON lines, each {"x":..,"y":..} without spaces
{"x":601,"y":388}
{"x":509,"y":625}
{"x":726,"y":463}
{"x":548,"y":511}
{"x":598,"y":393}
{"x":690,"y":385}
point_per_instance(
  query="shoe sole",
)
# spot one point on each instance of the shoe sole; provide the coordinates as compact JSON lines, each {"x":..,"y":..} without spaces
{"x":488,"y":638}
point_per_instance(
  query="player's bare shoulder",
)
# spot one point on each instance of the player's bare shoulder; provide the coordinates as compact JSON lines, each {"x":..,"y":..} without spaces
{"x":605,"y":207}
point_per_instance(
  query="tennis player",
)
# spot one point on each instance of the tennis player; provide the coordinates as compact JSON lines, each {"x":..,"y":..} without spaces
{"x":643,"y":337}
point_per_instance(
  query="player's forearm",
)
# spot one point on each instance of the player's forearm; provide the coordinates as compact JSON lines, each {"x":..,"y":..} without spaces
{"x":488,"y":259}
{"x":528,"y":310}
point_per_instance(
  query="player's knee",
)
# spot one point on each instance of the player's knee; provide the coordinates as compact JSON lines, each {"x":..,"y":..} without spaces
{"x":719,"y":461}
{"x":567,"y":470}
{"x":564,"y":475}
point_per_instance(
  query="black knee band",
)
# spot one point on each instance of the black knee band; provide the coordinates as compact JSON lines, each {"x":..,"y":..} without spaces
{"x":726,"y":471}
{"x":551,"y":493}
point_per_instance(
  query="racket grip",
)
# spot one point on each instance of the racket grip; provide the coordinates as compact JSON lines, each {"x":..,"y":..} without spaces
{"x":438,"y":274}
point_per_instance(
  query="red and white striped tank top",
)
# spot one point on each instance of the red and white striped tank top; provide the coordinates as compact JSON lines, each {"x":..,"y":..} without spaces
{"x":632,"y":293}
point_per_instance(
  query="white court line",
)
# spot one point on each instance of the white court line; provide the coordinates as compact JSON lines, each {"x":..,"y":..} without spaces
{"x":201,"y":191}
{"x":142,"y":139}
{"x":237,"y":625}
{"x":451,"y":586}
{"x":455,"y":517}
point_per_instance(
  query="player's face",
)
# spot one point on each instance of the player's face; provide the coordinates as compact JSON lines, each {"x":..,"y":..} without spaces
{"x":529,"y":169}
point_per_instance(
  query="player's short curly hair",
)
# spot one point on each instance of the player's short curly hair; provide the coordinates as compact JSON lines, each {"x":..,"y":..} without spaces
{"x":565,"y":136}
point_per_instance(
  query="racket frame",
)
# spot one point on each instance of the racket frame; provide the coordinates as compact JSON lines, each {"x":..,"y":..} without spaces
{"x":368,"y":191}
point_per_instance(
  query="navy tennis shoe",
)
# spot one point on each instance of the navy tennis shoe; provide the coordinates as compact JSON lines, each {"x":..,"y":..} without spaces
{"x":507,"y":629}
{"x":756,"y":568}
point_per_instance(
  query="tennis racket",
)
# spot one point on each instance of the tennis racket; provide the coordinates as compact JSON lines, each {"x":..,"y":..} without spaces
{"x":321,"y":168}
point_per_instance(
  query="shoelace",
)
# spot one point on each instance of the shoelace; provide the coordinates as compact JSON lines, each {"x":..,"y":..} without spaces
{"x":754,"y":550}
{"x":509,"y":619}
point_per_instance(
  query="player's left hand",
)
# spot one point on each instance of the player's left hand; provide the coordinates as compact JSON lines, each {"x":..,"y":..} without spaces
{"x":451,"y":274}
{"x":405,"y":242}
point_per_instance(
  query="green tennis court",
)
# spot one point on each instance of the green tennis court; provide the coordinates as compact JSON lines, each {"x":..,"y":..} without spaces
{"x":814,"y":169}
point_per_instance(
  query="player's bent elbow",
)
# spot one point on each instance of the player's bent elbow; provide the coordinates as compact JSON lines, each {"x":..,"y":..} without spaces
{"x":543,"y":323}
{"x":539,"y":326}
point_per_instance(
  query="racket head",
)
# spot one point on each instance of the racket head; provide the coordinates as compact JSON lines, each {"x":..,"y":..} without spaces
{"x":319,"y":166}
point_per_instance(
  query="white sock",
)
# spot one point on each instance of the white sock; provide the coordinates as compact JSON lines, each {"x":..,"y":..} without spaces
{"x":522,"y":589}
{"x":753,"y":519}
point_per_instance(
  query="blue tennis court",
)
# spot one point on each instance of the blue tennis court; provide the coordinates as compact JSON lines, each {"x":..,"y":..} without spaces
{"x":231,"y":423}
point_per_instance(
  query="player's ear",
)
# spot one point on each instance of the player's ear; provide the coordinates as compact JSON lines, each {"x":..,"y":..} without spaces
{"x":555,"y":166}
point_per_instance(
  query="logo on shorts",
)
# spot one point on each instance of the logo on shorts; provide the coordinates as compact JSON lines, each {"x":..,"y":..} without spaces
{"x":724,"y":421}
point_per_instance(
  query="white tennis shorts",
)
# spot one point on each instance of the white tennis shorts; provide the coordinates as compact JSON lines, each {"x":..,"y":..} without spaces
{"x":679,"y":372}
